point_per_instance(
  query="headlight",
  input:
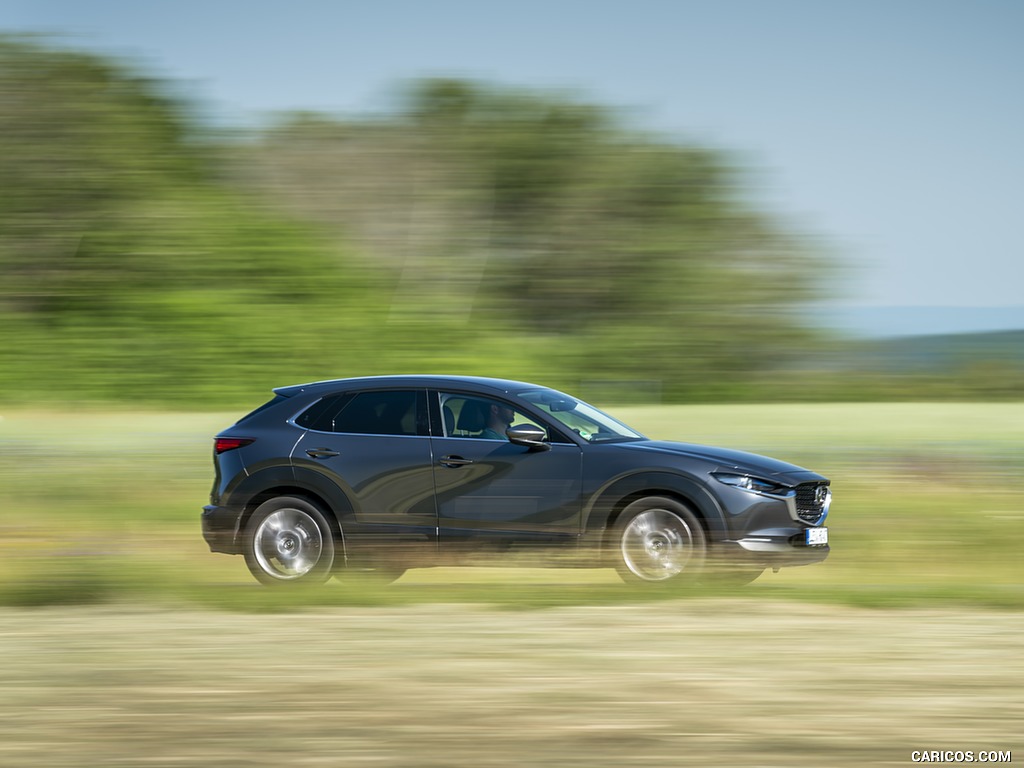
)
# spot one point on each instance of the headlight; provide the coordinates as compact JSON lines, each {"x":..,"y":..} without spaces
{"x":751,"y":483}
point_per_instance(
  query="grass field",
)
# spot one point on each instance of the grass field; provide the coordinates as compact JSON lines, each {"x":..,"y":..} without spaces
{"x":100,"y":506}
{"x":126,"y":643}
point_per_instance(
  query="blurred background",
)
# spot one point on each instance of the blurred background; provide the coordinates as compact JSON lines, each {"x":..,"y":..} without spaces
{"x":787,"y":227}
{"x":200,"y":204}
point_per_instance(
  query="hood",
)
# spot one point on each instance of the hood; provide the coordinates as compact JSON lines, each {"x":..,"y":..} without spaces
{"x":728,"y":459}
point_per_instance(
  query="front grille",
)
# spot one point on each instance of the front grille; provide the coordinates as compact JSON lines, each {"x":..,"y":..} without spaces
{"x":812,"y":506}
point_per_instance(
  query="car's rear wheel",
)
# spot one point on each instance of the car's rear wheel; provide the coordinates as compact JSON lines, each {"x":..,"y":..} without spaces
{"x":659,"y":540}
{"x":288,"y":540}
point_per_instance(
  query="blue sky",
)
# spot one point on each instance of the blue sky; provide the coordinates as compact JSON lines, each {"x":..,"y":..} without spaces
{"x":893,"y":129}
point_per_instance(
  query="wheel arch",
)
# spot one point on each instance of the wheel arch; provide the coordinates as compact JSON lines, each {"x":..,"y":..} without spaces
{"x":603,"y":512}
{"x":314,"y":488}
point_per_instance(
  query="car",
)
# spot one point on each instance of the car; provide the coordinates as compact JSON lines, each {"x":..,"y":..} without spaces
{"x":387,"y":473}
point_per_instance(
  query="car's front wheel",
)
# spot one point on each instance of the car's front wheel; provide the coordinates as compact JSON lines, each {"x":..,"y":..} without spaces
{"x":288,"y":540}
{"x":659,"y":540}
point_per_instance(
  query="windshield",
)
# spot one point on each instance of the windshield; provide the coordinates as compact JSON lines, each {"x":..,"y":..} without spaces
{"x":585,"y":420}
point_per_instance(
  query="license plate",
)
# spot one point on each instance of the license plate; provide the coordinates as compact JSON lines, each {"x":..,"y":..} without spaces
{"x":816,"y":537}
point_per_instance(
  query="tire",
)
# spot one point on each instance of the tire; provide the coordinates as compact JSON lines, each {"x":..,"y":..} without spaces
{"x":289,"y":541}
{"x":657,"y":540}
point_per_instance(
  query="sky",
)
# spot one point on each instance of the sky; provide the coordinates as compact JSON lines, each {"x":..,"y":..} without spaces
{"x":891,"y":130}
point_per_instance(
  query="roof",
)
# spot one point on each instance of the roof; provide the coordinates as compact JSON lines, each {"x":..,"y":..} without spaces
{"x":410,"y":380}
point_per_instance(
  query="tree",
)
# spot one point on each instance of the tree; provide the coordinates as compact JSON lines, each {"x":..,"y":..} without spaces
{"x":546,"y":221}
{"x":128,"y":270}
{"x":476,"y":229}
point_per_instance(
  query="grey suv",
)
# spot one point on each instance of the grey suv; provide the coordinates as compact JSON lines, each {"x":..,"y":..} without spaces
{"x":388,"y":473}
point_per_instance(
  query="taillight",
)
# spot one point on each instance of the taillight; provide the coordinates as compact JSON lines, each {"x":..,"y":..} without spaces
{"x":222,"y":444}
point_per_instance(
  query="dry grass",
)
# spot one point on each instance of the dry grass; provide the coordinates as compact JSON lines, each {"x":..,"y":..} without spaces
{"x":717,"y":682}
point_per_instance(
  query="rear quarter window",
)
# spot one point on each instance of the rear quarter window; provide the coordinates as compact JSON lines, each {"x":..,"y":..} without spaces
{"x":269,"y":404}
{"x":320,"y":416}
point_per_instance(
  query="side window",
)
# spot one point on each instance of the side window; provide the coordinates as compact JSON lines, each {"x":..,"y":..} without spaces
{"x":384,"y":413}
{"x":480,"y":417}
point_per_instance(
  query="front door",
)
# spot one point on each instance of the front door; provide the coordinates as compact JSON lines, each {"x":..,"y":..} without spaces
{"x":488,"y":487}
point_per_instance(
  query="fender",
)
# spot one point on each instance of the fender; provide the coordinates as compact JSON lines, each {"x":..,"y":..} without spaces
{"x":336,"y":497}
{"x":251,"y":485}
{"x":293,"y":479}
{"x":605,"y":502}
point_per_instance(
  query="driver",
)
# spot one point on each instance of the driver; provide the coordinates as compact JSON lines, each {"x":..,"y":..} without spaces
{"x":499,"y":418}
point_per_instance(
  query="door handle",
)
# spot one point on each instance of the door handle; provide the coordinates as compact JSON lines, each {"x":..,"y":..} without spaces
{"x":454,"y":461}
{"x":321,"y":453}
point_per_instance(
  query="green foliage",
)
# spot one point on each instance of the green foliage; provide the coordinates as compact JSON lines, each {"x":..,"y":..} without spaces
{"x":535,"y":216}
{"x":477,"y":230}
{"x":127,"y":270}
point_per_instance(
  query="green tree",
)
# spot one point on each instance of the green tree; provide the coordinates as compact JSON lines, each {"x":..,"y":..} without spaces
{"x":128,"y":271}
{"x":565,"y":234}
{"x":474,"y":229}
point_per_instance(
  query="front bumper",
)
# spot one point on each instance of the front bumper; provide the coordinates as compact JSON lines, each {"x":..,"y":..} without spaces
{"x":220,"y":529}
{"x":773,"y":548}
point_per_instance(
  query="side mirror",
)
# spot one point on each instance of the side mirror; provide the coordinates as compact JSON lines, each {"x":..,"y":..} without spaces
{"x":528,"y":435}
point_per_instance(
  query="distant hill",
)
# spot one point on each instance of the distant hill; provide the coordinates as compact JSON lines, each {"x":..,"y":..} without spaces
{"x":894,"y":322}
{"x":941,"y":351}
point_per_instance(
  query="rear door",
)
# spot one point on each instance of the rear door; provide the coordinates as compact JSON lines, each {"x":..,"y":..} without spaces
{"x":490,"y":488}
{"x":375,"y":447}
